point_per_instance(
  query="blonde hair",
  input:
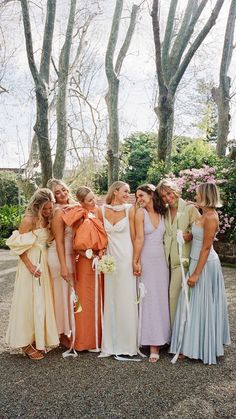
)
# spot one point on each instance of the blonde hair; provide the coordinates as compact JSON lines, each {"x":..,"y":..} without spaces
{"x":167,"y":185}
{"x":114,"y":187}
{"x":82,"y":192}
{"x":53,"y":183}
{"x":38,"y":200}
{"x":209,"y":194}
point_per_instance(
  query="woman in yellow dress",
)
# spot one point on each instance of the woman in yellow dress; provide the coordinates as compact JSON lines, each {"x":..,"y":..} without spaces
{"x":32,"y":324}
{"x":179,"y":216}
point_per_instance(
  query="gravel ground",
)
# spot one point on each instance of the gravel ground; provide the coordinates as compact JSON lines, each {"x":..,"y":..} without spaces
{"x":89,"y":387}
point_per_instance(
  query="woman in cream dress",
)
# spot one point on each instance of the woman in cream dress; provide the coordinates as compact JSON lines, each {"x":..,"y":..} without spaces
{"x":120,"y":298}
{"x":32,"y":324}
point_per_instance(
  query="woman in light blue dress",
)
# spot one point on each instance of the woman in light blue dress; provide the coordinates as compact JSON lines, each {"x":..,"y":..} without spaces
{"x":201,"y":326}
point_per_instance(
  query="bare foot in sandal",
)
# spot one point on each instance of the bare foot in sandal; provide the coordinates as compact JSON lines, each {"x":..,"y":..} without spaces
{"x":32,"y":353}
{"x":154,"y":355}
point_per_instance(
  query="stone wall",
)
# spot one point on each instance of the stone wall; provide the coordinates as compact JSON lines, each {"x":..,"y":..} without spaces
{"x":226,"y":252}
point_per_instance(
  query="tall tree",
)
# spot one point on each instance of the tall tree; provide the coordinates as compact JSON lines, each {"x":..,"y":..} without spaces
{"x":112,"y":96}
{"x":41,"y":80}
{"x":70,"y":76}
{"x":173,"y":57}
{"x":222,"y":92}
{"x":61,"y":107}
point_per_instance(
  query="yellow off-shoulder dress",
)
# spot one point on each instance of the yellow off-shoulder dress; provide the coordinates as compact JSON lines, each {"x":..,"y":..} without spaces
{"x":32,"y":316}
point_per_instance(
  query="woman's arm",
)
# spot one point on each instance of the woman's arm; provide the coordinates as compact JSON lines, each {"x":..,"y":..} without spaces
{"x":58,"y":229}
{"x":210,"y":227}
{"x":139,"y":240}
{"x":26,"y":226}
{"x":193,"y":215}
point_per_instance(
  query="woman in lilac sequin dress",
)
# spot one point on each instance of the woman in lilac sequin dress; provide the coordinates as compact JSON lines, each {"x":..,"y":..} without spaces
{"x":150,"y":264}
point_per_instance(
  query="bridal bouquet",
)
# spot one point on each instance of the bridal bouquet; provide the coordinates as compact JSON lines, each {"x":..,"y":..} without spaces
{"x":107,"y":264}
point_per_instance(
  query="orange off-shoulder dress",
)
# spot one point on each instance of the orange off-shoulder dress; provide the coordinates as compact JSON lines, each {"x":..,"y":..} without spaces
{"x":89,"y":233}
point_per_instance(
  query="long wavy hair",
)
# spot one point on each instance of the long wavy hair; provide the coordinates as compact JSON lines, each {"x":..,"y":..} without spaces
{"x":53,"y":183}
{"x":41,"y":197}
{"x":158,"y":205}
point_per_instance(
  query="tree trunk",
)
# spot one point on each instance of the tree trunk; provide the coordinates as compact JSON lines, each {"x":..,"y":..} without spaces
{"x":112,"y":96}
{"x":165,"y":114}
{"x":222,"y":99}
{"x":173,"y":56}
{"x":61,"y":107}
{"x":41,"y":130}
{"x":41,"y":79}
{"x":113,"y":135}
{"x":222,"y":93}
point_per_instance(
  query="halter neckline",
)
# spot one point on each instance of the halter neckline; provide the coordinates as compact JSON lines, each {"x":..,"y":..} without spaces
{"x":116,"y":207}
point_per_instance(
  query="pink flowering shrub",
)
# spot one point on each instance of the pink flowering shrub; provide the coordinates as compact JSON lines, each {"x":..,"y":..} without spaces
{"x":189,"y":179}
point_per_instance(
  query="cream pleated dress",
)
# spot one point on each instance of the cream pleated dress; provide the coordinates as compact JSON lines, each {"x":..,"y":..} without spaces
{"x":32,"y":316}
{"x":120,"y":323}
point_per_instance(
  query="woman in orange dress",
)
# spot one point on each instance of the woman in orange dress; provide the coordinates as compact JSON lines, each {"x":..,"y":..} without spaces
{"x":89,"y":242}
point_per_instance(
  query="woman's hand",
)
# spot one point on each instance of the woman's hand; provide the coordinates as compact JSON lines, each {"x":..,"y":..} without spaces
{"x":34,"y":270}
{"x":64,"y":273}
{"x":187,"y":236}
{"x":136,"y":268}
{"x":101,"y":253}
{"x":192,"y":280}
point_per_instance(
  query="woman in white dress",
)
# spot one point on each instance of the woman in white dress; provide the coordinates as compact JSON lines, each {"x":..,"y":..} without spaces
{"x":61,"y":262}
{"x":120,"y":297}
{"x":32,"y":324}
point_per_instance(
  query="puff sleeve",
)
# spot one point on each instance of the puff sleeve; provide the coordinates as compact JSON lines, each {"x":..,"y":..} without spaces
{"x":20,"y":243}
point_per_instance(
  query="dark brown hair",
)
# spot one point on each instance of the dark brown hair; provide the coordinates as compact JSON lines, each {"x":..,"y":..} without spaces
{"x":151,"y":190}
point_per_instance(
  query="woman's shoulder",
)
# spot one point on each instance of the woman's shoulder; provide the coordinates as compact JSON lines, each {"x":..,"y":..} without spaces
{"x":27,"y":224}
{"x":211,"y":222}
{"x":139,"y":213}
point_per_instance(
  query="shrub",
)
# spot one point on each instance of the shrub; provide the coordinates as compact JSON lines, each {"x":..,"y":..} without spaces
{"x":10,"y":217}
{"x":188,"y":181}
{"x":188,"y":153}
{"x":9,"y":189}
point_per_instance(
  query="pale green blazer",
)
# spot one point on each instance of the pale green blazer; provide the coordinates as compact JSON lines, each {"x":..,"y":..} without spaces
{"x":183,"y":220}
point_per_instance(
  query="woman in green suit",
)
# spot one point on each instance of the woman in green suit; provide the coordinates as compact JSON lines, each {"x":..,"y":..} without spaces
{"x":179,"y":216}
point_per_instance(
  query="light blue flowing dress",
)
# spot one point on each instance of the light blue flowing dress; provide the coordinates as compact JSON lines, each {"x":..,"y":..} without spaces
{"x":206,"y":329}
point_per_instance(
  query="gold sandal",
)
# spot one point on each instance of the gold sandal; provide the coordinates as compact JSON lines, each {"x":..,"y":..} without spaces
{"x":32,"y":352}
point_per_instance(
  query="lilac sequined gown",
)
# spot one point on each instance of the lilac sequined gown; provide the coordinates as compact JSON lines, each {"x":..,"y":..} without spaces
{"x":155,"y":318}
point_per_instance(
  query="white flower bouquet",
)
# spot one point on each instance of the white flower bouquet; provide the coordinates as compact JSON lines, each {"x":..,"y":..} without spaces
{"x":107,"y":264}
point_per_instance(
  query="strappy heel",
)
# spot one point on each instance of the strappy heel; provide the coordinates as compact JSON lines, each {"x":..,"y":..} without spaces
{"x":32,"y":353}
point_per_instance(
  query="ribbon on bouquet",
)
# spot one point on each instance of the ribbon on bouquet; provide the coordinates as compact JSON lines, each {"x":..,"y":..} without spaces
{"x":141,"y":294}
{"x":97,"y":281}
{"x":185,"y":312}
{"x":75,"y":307}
